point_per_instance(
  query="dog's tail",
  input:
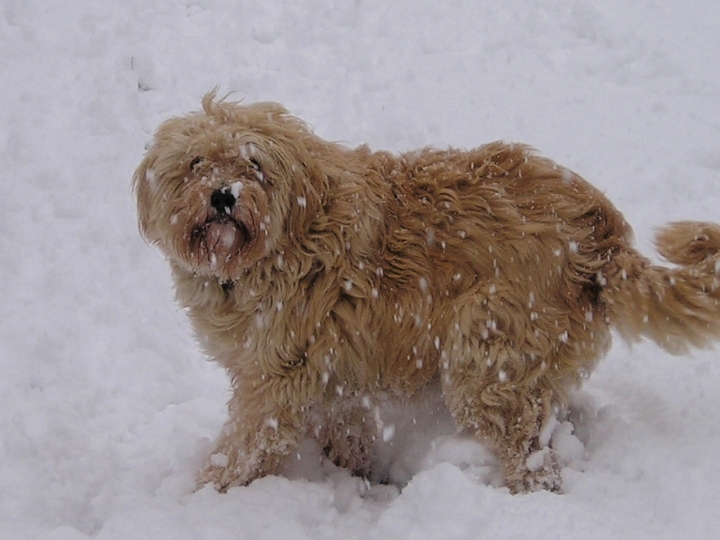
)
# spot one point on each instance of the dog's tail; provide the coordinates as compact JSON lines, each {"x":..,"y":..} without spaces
{"x":675,"y":307}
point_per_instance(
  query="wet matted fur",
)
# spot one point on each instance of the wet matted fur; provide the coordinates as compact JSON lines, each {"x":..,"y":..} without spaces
{"x":328,"y":280}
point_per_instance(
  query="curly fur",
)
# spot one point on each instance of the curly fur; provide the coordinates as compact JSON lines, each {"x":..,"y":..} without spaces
{"x":339,"y":278}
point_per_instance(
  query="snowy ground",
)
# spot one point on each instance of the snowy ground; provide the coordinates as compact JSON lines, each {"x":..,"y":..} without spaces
{"x":106,"y":406}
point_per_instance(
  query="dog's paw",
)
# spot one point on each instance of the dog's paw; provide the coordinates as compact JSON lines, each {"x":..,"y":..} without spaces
{"x":541,"y":471}
{"x":219,"y":473}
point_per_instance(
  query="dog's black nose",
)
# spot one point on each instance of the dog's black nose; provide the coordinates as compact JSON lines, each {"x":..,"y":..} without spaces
{"x":222,"y":200}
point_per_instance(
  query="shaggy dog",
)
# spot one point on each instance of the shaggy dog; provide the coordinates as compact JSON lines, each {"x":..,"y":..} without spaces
{"x":328,"y":281}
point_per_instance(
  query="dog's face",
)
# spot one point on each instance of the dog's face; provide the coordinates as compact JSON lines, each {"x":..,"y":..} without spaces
{"x":217,"y":188}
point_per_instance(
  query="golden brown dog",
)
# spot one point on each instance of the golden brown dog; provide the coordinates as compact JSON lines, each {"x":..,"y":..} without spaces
{"x":328,"y":280}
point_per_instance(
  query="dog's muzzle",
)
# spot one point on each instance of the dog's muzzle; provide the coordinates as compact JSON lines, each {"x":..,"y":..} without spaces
{"x":222,"y":200}
{"x":222,"y":237}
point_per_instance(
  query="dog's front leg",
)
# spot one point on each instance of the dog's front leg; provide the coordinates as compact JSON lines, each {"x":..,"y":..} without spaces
{"x":258,"y":435}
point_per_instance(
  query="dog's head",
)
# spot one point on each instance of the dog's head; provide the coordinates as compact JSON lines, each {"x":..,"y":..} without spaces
{"x":225,"y":187}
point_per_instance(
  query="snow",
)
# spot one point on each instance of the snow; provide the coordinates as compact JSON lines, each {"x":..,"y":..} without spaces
{"x":107,"y":409}
{"x":236,"y":188}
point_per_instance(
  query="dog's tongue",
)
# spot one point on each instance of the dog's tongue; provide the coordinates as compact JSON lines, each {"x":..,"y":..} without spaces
{"x":223,"y":237}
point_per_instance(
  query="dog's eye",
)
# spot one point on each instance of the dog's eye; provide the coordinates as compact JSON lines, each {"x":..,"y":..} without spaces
{"x":195,"y":162}
{"x":257,"y":170}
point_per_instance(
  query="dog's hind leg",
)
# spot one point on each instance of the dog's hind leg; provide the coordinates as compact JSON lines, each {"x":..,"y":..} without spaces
{"x":506,"y":416}
{"x":506,"y":372}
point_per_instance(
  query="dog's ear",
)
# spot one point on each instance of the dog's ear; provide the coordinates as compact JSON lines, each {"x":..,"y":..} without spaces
{"x":142,"y":178}
{"x":326,"y":197}
{"x":309,"y":190}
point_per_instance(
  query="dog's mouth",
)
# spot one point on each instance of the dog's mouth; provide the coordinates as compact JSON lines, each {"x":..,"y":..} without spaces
{"x":220,"y":239}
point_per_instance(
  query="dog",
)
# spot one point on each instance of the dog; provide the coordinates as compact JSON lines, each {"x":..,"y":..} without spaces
{"x":329,"y":281}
